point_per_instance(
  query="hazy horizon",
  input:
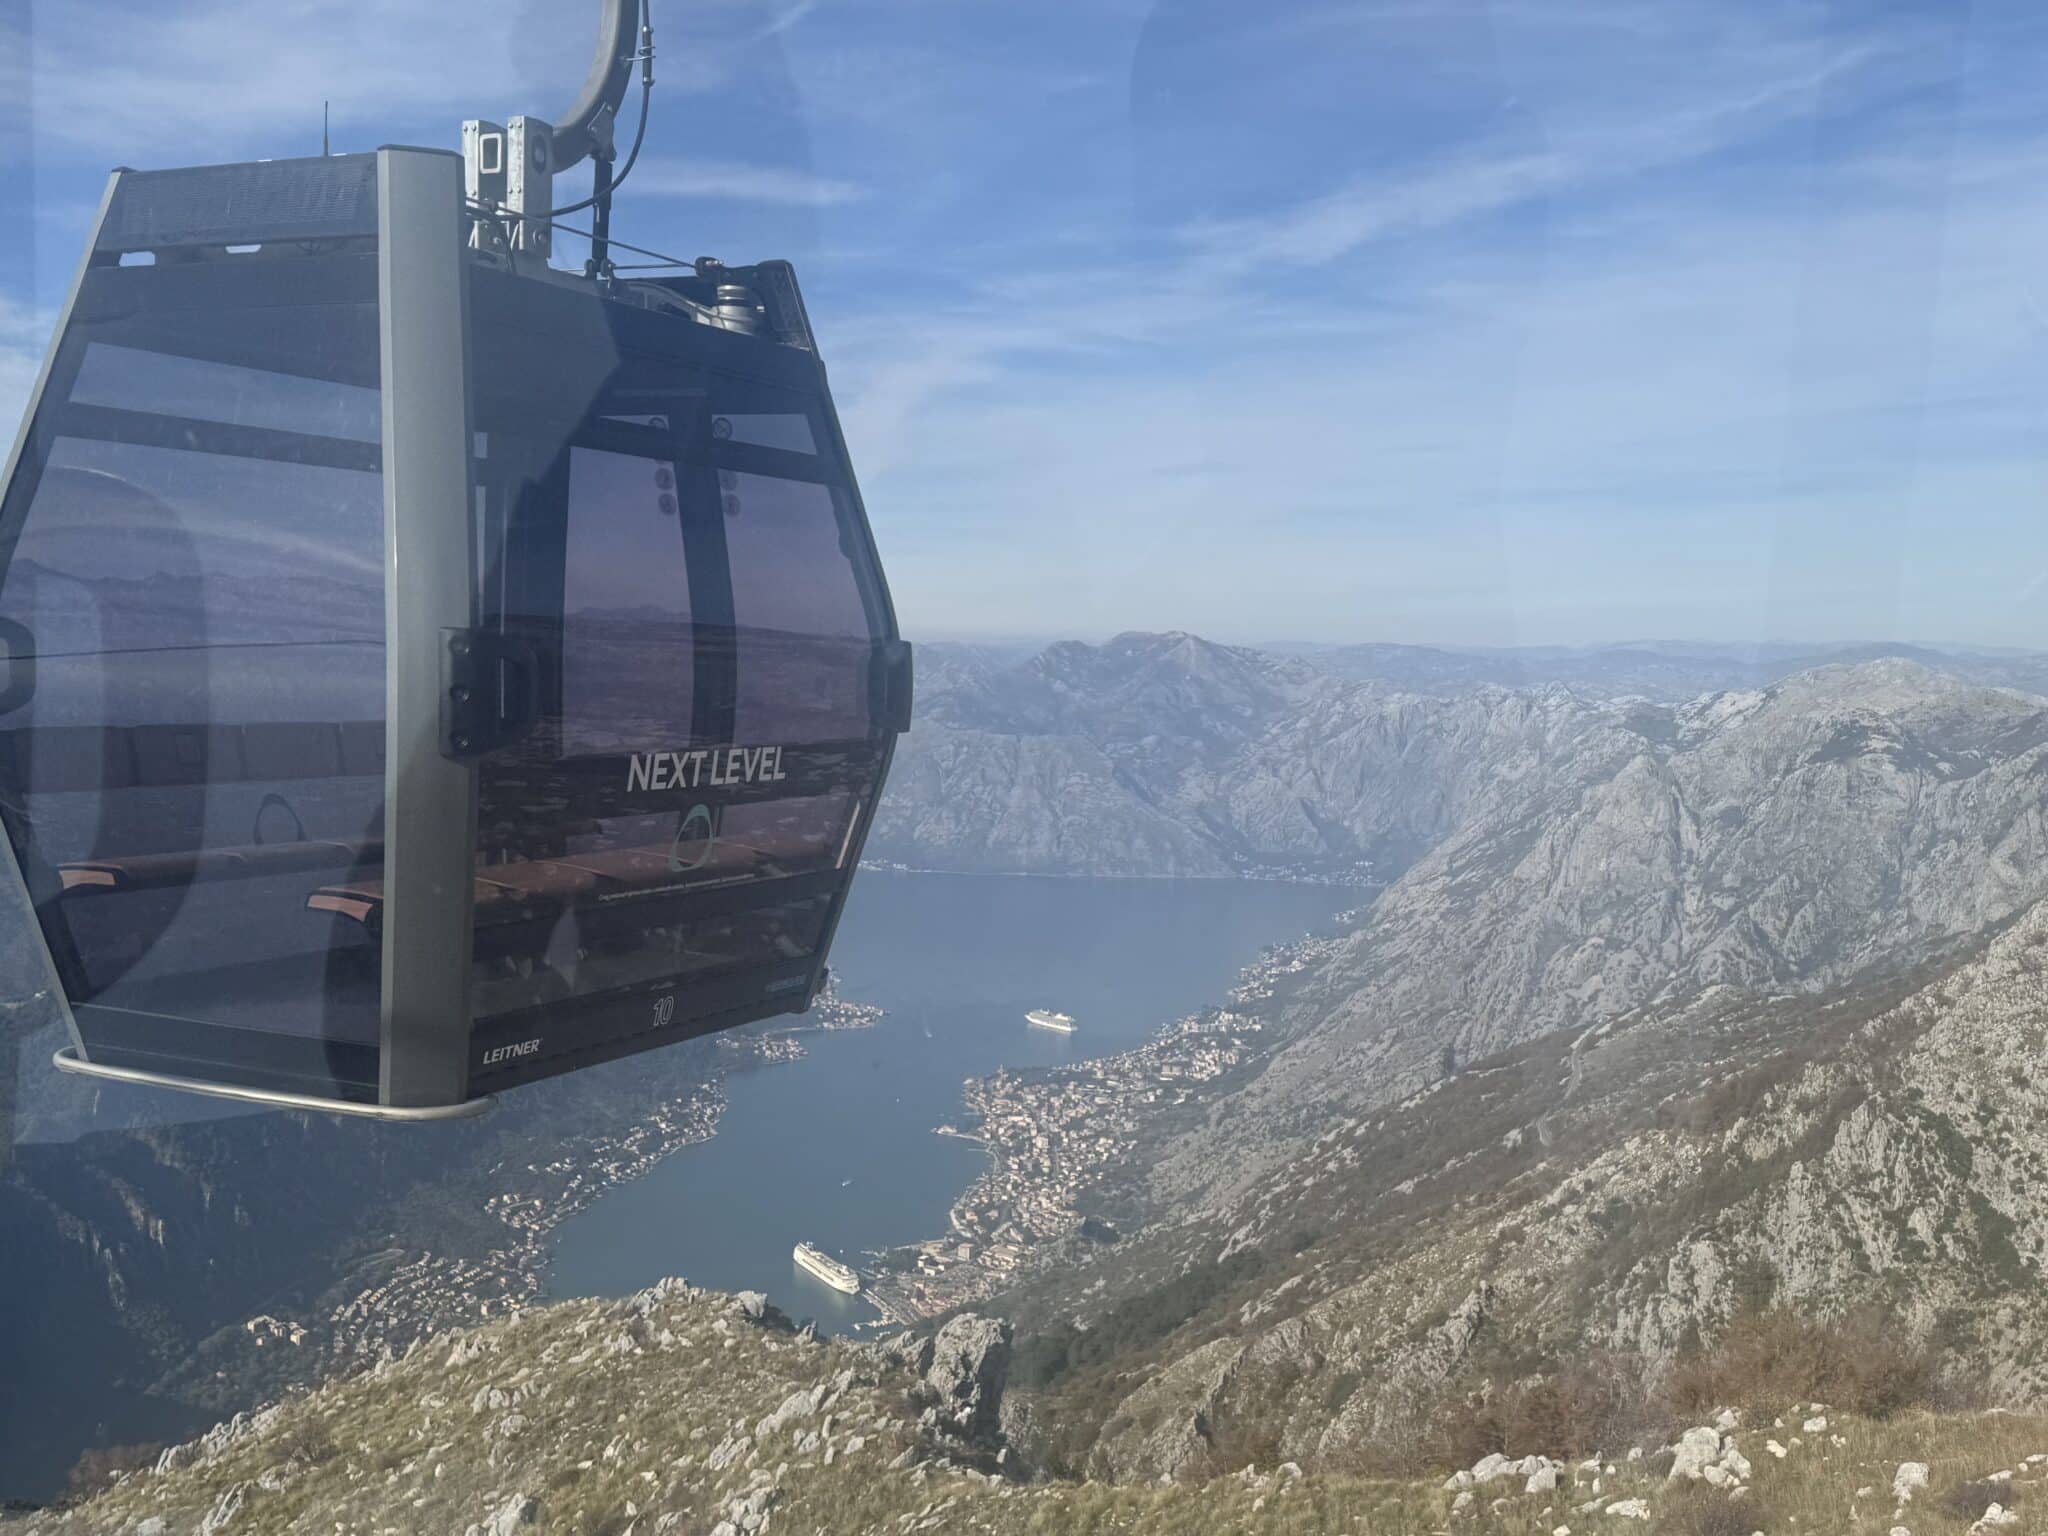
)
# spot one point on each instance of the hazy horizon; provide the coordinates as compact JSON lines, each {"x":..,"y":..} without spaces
{"x":1701,"y":643}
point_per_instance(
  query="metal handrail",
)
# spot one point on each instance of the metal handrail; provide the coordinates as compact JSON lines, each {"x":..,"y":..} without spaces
{"x":68,"y":1060}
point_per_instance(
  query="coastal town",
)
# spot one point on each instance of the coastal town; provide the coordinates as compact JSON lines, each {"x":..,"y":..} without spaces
{"x":394,"y":1295}
{"x":1052,"y":1134}
{"x":410,"y":1293}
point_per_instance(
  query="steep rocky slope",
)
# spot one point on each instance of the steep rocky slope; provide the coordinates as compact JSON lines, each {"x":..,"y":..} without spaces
{"x":1625,"y":1188}
{"x":1670,"y":671}
{"x":1167,"y":755}
{"x":1845,"y":822}
{"x":1667,"y":999}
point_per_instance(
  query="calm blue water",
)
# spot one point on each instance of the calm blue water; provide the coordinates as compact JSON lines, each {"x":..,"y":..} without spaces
{"x":838,"y":1148}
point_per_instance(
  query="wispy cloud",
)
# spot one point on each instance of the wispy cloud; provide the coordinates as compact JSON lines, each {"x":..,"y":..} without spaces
{"x":1358,"y":317}
{"x":1767,"y":336}
{"x":222,"y":75}
{"x":736,"y":181}
{"x":1583,"y":157}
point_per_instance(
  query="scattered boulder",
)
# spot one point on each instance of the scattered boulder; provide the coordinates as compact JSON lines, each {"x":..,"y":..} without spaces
{"x":798,"y":1405}
{"x":970,"y":1365}
{"x":911,"y":1350}
{"x":509,"y":1518}
{"x":1697,"y":1450}
{"x":229,"y":1505}
{"x":1630,"y":1509}
{"x":1487,"y":1468}
{"x":1997,"y":1517}
{"x":1911,"y":1476}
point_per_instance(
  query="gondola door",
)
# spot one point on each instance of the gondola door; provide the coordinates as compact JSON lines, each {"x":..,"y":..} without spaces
{"x":680,"y":625}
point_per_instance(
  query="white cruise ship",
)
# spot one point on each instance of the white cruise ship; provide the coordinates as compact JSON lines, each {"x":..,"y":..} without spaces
{"x":1045,"y":1018}
{"x":818,"y":1263}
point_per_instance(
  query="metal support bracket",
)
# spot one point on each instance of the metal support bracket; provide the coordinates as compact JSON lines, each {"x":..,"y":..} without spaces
{"x":490,"y":692}
{"x":530,"y":185}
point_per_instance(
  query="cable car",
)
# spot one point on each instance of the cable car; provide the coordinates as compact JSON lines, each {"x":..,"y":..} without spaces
{"x":427,"y":670}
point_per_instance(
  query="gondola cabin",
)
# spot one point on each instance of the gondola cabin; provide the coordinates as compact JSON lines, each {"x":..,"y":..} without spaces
{"x":425,"y":671}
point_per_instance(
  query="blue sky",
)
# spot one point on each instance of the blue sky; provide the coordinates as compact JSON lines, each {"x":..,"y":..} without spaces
{"x":1563,"y":321}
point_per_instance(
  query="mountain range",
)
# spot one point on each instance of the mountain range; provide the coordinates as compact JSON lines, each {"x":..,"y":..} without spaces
{"x":1658,"y":998}
{"x":1653,"y":1009}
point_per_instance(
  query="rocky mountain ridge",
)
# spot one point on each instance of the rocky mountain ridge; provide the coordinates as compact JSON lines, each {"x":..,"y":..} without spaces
{"x":1668,"y":671}
{"x":1663,"y":1004}
{"x":1616,"y":1193}
{"x":1168,"y":755}
{"x":1683,"y":1001}
{"x":1841,"y":824}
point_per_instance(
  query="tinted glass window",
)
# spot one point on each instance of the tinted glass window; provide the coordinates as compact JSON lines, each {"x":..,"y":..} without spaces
{"x":136,"y":379}
{"x":201,"y":571}
{"x":699,"y":625}
{"x":627,"y":677}
{"x":803,"y":621}
{"x":753,"y":414}
{"x":788,"y":430}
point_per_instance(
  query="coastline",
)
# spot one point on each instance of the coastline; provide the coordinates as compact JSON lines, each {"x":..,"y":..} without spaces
{"x":384,"y":1300}
{"x":1053,"y":1135}
{"x":1046,"y":1134}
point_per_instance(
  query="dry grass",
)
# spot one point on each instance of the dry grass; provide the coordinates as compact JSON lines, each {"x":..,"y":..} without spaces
{"x":617,"y":1437}
{"x":1569,"y":1413}
{"x":1969,"y":1499}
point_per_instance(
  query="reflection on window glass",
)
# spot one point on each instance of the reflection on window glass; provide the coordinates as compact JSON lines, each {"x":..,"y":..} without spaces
{"x":603,"y":913}
{"x":803,"y":624}
{"x":204,"y":748}
{"x":626,"y":613}
{"x":182,"y":548}
{"x":131,"y":379}
{"x":791,"y":568}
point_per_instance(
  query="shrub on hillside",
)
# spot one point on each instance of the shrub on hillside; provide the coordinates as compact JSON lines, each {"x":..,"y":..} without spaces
{"x":1969,"y":1501}
{"x":1574,"y":1410}
{"x":1765,"y":1360}
{"x":98,"y":1469}
{"x":1694,"y":1509}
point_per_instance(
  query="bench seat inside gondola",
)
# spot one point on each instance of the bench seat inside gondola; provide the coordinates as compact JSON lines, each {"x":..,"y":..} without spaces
{"x":507,"y":893}
{"x":154,"y":871}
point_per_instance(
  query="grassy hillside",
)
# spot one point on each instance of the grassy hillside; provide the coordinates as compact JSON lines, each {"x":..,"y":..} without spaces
{"x":678,"y":1412}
